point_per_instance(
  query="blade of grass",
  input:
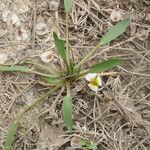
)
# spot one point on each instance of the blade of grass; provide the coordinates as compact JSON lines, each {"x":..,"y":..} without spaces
{"x":67,"y":112}
{"x":10,"y":135}
{"x":67,"y":109}
{"x":62,"y":51}
{"x":115,"y":31}
{"x":14,"y":68}
{"x":60,"y":45}
{"x":68,"y":5}
{"x":22,"y":69}
{"x":53,"y":81}
{"x":88,"y":144}
{"x":105,"y":65}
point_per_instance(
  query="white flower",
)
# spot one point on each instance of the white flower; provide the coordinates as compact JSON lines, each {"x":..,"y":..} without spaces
{"x":115,"y":15}
{"x":47,"y":56}
{"x":3,"y":58}
{"x":95,"y":81}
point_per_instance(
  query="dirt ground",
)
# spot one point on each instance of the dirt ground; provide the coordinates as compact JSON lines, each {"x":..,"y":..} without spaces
{"x":119,"y":118}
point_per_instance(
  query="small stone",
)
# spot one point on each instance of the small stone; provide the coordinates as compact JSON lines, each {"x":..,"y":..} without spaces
{"x":144,"y":34}
{"x":21,"y":34}
{"x":75,"y":142}
{"x":41,"y":28}
{"x":13,"y":20}
{"x":115,"y":16}
{"x":53,"y":5}
{"x":47,"y":56}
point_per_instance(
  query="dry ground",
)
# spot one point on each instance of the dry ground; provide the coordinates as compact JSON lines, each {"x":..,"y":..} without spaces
{"x":119,"y":118}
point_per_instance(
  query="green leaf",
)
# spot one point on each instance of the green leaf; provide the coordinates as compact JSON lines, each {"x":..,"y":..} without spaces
{"x":92,"y":146}
{"x":83,"y":142}
{"x":88,"y":144}
{"x":10,"y":135}
{"x":106,"y":64}
{"x":115,"y":31}
{"x":51,"y":80}
{"x":67,"y":112}
{"x":60,"y":45}
{"x":73,"y":69}
{"x":14,"y":68}
{"x":68,"y":4}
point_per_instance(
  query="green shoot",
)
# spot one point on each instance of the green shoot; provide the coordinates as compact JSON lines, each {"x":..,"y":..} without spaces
{"x":67,"y":112}
{"x":105,"y":65}
{"x":68,"y":5}
{"x":14,"y":69}
{"x":11,"y":134}
{"x":115,"y":31}
{"x":60,"y":45}
{"x":88,"y":144}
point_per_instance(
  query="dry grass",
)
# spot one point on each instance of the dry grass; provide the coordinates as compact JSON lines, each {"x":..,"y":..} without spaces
{"x":118,"y":118}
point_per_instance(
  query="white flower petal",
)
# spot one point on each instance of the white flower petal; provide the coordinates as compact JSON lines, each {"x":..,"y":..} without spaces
{"x":93,"y":87}
{"x":99,"y":81}
{"x":90,"y":76}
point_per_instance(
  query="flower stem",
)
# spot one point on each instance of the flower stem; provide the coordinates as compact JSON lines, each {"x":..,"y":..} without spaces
{"x":41,"y":74}
{"x":42,"y":98}
{"x":68,"y":88}
{"x":87,"y":56}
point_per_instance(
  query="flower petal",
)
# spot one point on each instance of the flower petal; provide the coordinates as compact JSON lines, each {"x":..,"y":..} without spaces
{"x":90,"y":76}
{"x":93,"y":87}
{"x":99,"y":80}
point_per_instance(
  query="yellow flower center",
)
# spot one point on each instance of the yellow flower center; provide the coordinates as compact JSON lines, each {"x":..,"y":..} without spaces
{"x":94,"y":81}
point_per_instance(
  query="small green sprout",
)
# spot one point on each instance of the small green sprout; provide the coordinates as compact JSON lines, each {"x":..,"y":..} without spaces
{"x":88,"y":144}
